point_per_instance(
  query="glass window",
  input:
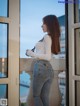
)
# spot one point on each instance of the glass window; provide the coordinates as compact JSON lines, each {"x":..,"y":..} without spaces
{"x":4,"y":8}
{"x":3,"y":91}
{"x":77,"y":11}
{"x":3,"y":50}
{"x":77,"y":94}
{"x":3,"y":94}
{"x":77,"y":51}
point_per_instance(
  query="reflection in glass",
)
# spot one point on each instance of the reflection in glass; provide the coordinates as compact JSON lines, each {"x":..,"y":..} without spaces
{"x":3,"y":50}
{"x":3,"y":91}
{"x":4,"y":8}
{"x":77,"y":11}
{"x":77,"y":96}
{"x":77,"y":51}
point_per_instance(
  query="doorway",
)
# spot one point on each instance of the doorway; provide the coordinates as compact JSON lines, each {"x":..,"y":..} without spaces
{"x":31,"y":14}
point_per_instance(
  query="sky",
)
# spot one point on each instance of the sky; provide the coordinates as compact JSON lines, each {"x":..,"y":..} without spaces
{"x":31,"y":14}
{"x":3,"y":8}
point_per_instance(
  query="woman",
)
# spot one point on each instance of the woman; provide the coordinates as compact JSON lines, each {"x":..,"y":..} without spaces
{"x":42,"y":70}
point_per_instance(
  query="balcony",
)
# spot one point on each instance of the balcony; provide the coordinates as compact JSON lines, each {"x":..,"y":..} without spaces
{"x":25,"y":65}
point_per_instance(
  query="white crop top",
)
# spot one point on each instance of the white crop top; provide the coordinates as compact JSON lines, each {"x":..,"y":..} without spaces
{"x":42,"y":49}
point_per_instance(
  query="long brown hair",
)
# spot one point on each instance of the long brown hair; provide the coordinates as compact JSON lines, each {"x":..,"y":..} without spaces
{"x":54,"y":31}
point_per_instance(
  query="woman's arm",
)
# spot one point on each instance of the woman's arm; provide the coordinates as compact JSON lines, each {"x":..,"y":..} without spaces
{"x":47,"y":55}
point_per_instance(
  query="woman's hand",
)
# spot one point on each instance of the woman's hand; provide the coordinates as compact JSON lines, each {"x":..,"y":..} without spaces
{"x":29,"y":53}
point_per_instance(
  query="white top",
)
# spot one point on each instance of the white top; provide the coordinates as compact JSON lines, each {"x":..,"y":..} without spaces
{"x":43,"y":49}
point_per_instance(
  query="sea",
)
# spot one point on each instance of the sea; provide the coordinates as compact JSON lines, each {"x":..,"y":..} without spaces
{"x":25,"y":80}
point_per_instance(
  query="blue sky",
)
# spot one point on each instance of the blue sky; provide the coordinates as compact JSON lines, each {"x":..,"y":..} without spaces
{"x":31,"y":14}
{"x":3,"y":8}
{"x":3,"y":40}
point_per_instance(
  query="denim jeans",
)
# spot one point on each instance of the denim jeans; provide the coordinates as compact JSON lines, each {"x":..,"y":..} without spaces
{"x":42,"y":78}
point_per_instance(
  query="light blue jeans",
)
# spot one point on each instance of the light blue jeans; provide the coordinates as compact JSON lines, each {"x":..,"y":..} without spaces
{"x":42,"y":78}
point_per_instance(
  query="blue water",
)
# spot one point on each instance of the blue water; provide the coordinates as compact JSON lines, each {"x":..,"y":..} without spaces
{"x":23,"y":91}
{"x":2,"y":91}
{"x":26,"y":79}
